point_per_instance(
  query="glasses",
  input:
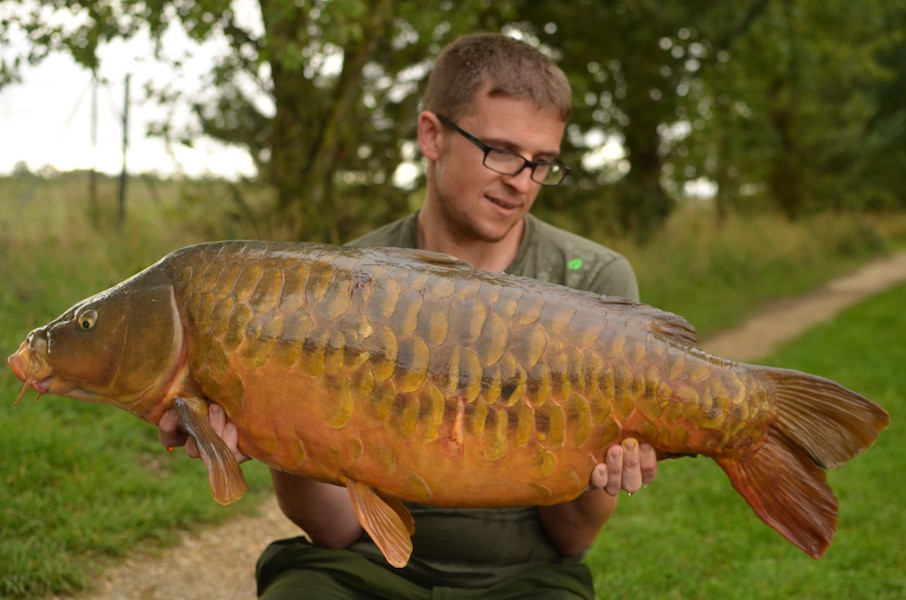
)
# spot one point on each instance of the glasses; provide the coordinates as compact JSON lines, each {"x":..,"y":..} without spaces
{"x":506,"y":162}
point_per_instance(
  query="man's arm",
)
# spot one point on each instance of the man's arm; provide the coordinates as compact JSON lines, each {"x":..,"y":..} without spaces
{"x":572,"y":526}
{"x":323,"y":510}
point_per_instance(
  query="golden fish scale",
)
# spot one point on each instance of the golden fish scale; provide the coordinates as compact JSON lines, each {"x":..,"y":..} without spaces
{"x":419,"y":381}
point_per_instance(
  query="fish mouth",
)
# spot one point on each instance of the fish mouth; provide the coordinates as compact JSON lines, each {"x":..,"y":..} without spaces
{"x":19,"y":370}
{"x":18,"y":366}
{"x":34,"y":374}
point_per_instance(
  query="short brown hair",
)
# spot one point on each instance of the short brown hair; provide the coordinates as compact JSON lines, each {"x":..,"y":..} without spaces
{"x":510,"y":68}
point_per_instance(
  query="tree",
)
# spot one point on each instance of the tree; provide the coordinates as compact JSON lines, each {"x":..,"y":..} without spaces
{"x":321,"y":128}
{"x":797,"y":102}
{"x":634,"y":64}
{"x":790,"y":108}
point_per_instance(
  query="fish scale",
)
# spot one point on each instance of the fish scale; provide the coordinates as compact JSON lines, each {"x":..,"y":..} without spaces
{"x":330,"y":297}
{"x":406,"y":375}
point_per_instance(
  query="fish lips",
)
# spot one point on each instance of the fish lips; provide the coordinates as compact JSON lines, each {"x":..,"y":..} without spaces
{"x":35,"y":374}
{"x":17,"y":365}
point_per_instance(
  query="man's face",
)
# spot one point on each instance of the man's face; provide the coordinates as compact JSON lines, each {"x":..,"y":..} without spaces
{"x":477,"y":203}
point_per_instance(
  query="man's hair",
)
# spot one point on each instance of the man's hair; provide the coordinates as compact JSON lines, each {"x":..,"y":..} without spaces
{"x":499,"y":66}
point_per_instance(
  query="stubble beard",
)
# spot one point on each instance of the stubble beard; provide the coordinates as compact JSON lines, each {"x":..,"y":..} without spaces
{"x":466,"y":228}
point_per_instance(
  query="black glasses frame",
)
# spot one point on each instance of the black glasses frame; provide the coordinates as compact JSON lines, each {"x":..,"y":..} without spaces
{"x":555,"y":167}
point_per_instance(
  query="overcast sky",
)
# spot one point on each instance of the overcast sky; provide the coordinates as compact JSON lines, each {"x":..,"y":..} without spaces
{"x":46,"y":119}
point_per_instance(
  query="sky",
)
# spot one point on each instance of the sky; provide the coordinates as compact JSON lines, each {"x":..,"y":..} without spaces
{"x":46,"y":119}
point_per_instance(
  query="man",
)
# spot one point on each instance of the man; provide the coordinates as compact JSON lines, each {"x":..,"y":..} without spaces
{"x":494,"y":114}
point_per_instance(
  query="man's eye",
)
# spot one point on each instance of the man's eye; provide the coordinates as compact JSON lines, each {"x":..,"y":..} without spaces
{"x":504,"y":156}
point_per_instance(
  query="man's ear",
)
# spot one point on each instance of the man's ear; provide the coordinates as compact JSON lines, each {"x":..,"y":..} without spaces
{"x":429,"y":134}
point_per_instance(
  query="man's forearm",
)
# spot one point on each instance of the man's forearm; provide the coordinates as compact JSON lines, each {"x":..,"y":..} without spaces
{"x":322,"y":510}
{"x":572,"y":526}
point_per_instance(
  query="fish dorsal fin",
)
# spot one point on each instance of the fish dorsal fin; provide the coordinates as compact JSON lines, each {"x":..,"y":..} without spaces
{"x":675,"y":328}
{"x":666,"y":325}
{"x":425,"y":256}
{"x":224,"y":474}
{"x":388,"y":522}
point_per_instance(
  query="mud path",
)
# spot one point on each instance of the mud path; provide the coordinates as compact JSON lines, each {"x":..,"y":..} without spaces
{"x":220,"y":562}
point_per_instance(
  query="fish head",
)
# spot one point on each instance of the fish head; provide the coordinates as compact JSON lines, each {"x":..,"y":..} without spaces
{"x":122,"y":347}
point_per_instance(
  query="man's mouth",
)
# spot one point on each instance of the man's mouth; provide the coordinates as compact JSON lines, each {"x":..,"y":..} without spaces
{"x":502,"y":203}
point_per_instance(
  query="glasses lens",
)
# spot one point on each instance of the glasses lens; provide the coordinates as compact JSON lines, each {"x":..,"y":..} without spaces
{"x":503,"y":161}
{"x":549,"y":174}
{"x":508,"y":162}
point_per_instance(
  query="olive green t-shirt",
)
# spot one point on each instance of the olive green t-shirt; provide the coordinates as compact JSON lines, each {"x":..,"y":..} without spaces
{"x":480,"y":547}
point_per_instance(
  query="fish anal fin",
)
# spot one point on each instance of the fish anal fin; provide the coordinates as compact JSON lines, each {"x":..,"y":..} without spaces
{"x":788,"y":492}
{"x":224,"y":474}
{"x":384,"y":521}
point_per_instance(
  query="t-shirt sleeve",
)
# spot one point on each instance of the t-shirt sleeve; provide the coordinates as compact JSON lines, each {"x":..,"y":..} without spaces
{"x":615,"y":277}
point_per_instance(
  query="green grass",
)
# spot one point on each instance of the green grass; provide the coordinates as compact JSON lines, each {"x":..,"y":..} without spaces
{"x":689,"y":535}
{"x":713,"y":274}
{"x":81,"y":485}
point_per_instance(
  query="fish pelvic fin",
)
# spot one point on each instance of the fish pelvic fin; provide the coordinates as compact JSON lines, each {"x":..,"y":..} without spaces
{"x":819,"y":424}
{"x":387,"y":521}
{"x":224,"y":474}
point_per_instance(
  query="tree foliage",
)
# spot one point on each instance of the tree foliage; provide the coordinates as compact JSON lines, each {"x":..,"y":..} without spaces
{"x":794,"y":102}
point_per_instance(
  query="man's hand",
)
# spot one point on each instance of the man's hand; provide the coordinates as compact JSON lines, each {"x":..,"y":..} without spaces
{"x":572,"y":526}
{"x":172,"y":436}
{"x":627,"y":466}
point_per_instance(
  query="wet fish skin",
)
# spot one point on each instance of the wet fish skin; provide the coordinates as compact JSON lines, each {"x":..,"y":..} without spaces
{"x":405,"y":374}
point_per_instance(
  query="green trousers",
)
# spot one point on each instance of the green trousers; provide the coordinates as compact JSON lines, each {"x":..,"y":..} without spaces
{"x":296,"y":569}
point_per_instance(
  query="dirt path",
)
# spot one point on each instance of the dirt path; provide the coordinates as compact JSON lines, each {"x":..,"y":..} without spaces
{"x":220,"y":562}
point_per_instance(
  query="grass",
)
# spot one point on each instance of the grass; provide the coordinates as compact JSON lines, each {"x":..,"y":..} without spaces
{"x":712,"y":275}
{"x":691,"y":536}
{"x":81,"y":485}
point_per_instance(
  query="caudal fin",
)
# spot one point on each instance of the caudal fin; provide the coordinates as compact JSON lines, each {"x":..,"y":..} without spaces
{"x":820,"y":424}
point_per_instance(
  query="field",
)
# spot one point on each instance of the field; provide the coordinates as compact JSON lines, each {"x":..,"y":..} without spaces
{"x":83,"y":484}
{"x":690,"y":535}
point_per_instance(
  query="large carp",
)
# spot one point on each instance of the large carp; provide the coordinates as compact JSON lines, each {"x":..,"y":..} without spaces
{"x":407,"y":375}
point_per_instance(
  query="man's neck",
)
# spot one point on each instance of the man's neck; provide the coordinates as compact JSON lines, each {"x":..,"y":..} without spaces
{"x":493,"y":257}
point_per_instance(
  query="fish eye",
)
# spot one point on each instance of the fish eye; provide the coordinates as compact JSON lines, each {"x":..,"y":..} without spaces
{"x":87,"y":319}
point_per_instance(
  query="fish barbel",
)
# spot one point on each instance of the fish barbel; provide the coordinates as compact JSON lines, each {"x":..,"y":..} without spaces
{"x":406,"y":375}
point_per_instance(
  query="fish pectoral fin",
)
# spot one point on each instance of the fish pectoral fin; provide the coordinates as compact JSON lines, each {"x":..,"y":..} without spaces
{"x":224,"y":474}
{"x":400,"y":509}
{"x":388,"y":522}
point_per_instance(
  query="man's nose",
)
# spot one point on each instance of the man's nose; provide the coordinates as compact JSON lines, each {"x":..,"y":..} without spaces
{"x":522,"y":180}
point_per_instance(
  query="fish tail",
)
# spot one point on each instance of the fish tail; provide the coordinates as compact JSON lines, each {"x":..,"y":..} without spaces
{"x":819,"y":424}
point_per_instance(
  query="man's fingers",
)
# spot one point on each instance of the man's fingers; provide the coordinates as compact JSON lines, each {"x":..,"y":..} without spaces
{"x":217,"y":419}
{"x":614,"y":462}
{"x":168,"y":430}
{"x":648,"y":463}
{"x":598,"y":477}
{"x":632,"y":472}
{"x":191,"y":448}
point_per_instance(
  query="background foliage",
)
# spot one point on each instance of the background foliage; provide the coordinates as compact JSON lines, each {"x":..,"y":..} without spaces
{"x":792,"y":109}
{"x":794,"y":105}
{"x":82,"y":485}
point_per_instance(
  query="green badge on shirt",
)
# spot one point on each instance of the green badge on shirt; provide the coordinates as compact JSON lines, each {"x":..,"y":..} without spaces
{"x":575,"y":264}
